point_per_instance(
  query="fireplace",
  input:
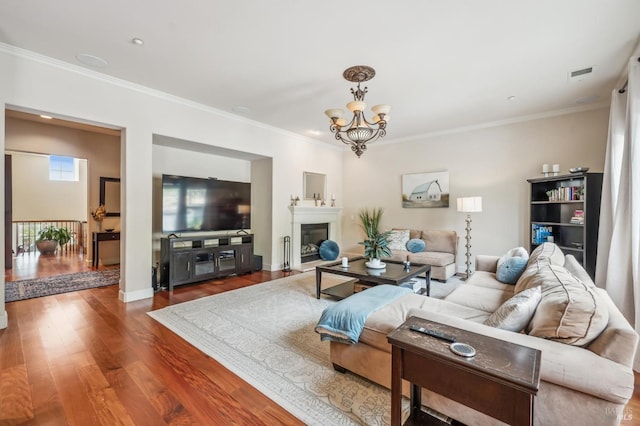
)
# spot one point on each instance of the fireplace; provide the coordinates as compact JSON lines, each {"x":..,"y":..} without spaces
{"x":311,"y":236}
{"x":303,"y":215}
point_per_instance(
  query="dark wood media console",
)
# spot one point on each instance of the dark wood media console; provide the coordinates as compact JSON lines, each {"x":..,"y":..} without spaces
{"x":192,"y":259}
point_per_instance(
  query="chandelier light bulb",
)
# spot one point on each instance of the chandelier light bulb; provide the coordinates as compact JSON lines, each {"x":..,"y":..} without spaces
{"x":334,"y":113}
{"x":381,"y":109}
{"x":354,"y":106}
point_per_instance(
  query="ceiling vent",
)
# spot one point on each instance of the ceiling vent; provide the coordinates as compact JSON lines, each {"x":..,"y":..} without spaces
{"x":580,"y":75}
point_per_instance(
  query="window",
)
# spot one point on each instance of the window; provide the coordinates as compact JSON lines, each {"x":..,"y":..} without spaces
{"x":63,"y":168}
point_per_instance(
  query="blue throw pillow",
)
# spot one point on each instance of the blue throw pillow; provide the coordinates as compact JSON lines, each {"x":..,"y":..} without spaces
{"x":511,"y":269}
{"x":416,"y":245}
{"x":329,"y":250}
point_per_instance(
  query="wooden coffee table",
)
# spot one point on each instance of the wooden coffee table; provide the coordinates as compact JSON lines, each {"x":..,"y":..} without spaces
{"x":501,"y":380}
{"x":394,"y":273}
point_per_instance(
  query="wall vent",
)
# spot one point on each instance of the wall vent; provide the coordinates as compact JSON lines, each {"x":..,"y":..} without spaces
{"x":579,"y":75}
{"x":583,"y":71}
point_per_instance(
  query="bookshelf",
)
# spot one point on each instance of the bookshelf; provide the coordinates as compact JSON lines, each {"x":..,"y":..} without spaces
{"x":566,"y":210}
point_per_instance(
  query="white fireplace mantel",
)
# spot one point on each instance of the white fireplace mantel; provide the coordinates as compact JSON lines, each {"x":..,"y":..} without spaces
{"x":306,"y":215}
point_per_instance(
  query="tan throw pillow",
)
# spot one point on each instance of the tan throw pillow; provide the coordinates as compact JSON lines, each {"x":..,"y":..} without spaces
{"x":573,"y":266}
{"x":569,"y":311}
{"x":515,"y":313}
{"x":413,"y":233}
{"x":547,"y":251}
{"x":398,"y":239}
{"x":542,"y":257}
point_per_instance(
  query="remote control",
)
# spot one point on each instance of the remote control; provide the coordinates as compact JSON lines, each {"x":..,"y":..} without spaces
{"x":433,"y":333}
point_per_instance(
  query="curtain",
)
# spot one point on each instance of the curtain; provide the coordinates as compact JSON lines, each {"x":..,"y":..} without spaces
{"x":617,"y":265}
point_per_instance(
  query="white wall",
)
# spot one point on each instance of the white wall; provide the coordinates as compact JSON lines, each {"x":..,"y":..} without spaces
{"x":490,"y":162}
{"x":181,"y":162}
{"x":40,"y":84}
{"x":262,"y":212}
{"x":35,"y":197}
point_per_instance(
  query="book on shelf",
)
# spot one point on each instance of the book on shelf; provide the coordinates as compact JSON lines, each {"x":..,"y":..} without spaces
{"x":540,"y":233}
{"x":578,"y":217}
{"x":565,"y":193}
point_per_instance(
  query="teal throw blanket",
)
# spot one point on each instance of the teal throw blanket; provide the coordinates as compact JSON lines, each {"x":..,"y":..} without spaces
{"x":343,"y":322}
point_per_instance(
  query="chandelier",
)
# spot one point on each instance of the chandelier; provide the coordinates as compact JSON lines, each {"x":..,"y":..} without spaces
{"x":359,"y":130}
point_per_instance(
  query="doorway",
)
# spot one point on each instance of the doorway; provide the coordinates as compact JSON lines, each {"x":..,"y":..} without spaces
{"x":99,"y":149}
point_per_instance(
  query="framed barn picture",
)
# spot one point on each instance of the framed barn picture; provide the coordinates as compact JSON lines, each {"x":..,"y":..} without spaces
{"x":425,"y":190}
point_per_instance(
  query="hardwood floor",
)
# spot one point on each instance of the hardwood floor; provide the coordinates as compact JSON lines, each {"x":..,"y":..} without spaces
{"x":34,"y":265}
{"x":85,"y":358}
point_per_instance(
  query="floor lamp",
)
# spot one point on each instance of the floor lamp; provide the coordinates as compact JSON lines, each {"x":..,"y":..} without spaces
{"x":469,"y":205}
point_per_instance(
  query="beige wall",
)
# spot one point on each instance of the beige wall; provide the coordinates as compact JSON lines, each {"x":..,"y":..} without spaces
{"x":491,"y":162}
{"x":35,"y":197}
{"x":102,"y":153}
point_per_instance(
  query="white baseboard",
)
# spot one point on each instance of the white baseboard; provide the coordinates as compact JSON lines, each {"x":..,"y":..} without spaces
{"x":132,"y":296}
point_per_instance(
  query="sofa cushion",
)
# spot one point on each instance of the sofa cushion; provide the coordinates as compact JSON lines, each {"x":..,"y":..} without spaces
{"x":515,"y":313}
{"x":547,"y":252}
{"x":481,"y":298}
{"x":433,"y":258}
{"x":398,"y":239}
{"x":389,"y":317}
{"x":444,"y":241}
{"x":570,"y":311}
{"x":510,"y":270}
{"x":413,"y":233}
{"x":416,"y":245}
{"x":543,"y":256}
{"x":488,"y":279}
{"x":619,"y":340}
{"x":573,"y":266}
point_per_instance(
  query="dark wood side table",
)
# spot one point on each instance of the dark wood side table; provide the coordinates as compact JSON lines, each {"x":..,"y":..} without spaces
{"x":500,"y":381}
{"x":95,"y":246}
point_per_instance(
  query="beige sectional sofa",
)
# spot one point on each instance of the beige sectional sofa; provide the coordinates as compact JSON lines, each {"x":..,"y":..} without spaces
{"x":440,"y":252}
{"x":586,"y":364}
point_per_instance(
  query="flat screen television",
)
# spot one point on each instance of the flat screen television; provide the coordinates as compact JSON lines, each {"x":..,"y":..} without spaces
{"x":192,"y":204}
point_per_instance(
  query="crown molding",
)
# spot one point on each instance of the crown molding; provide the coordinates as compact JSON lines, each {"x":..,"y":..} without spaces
{"x":498,"y":123}
{"x":85,"y":72}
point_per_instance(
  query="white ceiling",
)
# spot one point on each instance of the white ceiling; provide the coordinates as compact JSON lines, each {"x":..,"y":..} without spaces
{"x":442,"y":65}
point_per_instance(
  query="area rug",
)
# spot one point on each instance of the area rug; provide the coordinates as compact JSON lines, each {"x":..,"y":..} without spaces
{"x":38,"y":287}
{"x":265,"y":334}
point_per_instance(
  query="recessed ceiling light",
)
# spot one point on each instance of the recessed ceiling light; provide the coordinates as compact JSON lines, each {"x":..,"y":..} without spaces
{"x":137,"y":41}
{"x":91,"y":60}
{"x":241,"y":109}
{"x":46,"y":117}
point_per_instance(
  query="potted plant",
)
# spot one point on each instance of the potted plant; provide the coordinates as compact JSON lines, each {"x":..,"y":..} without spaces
{"x":50,"y":237}
{"x":376,"y":244}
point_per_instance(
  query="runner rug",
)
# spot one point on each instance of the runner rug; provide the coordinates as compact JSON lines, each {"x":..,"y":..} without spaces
{"x":38,"y":287}
{"x":265,"y":334}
